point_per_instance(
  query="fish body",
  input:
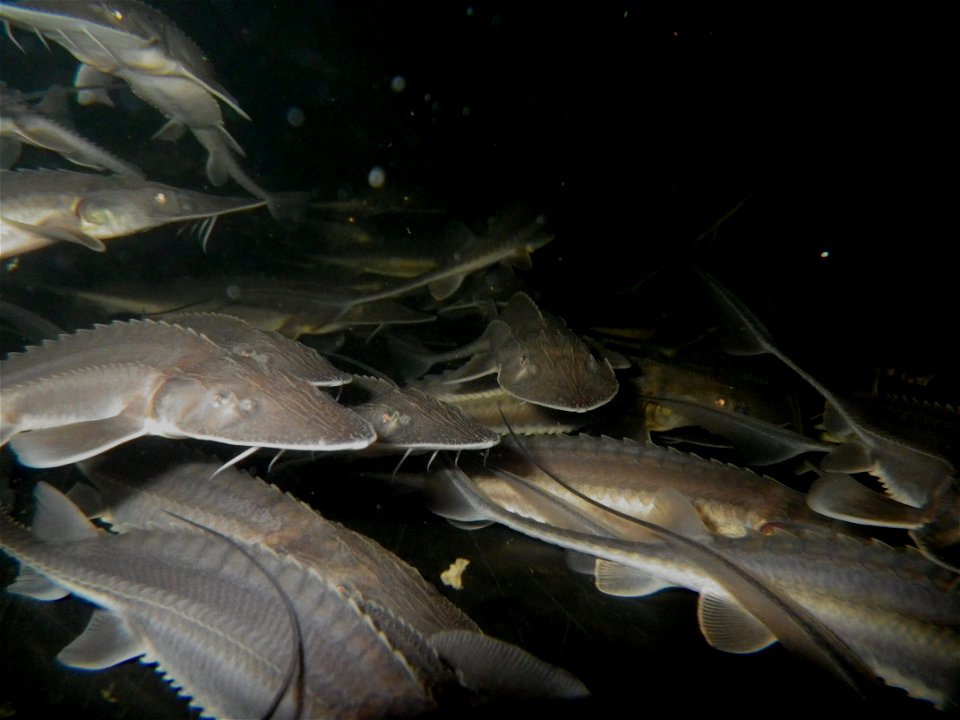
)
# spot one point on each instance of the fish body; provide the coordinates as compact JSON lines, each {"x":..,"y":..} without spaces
{"x":913,"y":470}
{"x":536,"y":359}
{"x":225,"y":622}
{"x":140,"y":486}
{"x":21,"y":123}
{"x":131,"y":41}
{"x":269,"y":350}
{"x":493,"y":407}
{"x":511,"y":238}
{"x":910,"y":471}
{"x":41,"y":207}
{"x":627,"y":476}
{"x":142,"y":483}
{"x":70,"y":399}
{"x":860,"y":608}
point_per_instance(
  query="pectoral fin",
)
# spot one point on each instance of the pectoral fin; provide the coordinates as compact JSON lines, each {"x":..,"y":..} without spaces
{"x":106,"y":641}
{"x":95,"y":85}
{"x":171,"y":131}
{"x":612,"y":578}
{"x":445,"y":287}
{"x":479,"y":365}
{"x":727,"y":626}
{"x":75,"y":442}
{"x":50,"y":231}
{"x":851,"y":457}
{"x":840,"y":496}
{"x":35,"y":585}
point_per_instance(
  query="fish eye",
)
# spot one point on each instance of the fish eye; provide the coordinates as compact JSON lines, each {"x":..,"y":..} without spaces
{"x":218,"y":400}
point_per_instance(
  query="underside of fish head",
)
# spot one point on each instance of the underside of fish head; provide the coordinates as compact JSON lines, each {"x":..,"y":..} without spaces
{"x":557,"y":371}
{"x":234,"y":405}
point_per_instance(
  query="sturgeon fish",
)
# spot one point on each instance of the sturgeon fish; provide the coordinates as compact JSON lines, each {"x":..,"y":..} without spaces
{"x":145,"y":485}
{"x":42,"y":207}
{"x":626,"y":476}
{"x":70,"y":399}
{"x":860,"y":609}
{"x":229,"y":624}
{"x":536,"y":359}
{"x":129,"y":40}
{"x":912,"y":472}
{"x":22,"y":123}
{"x":269,"y":350}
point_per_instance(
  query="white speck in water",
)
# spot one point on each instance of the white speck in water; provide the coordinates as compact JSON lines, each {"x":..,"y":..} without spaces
{"x":377,"y":177}
{"x":825,"y":254}
{"x":398,"y":84}
{"x":295,"y":116}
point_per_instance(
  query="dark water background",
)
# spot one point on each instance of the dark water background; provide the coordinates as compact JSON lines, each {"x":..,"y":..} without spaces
{"x":633,"y":136}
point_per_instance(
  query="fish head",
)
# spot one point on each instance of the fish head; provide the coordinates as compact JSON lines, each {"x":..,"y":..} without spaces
{"x":237,"y":405}
{"x":556,"y":371}
{"x":408,"y":418}
{"x":141,"y":206}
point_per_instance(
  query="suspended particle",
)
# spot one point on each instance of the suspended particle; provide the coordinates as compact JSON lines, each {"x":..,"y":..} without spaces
{"x":377,"y":177}
{"x":398,"y":84}
{"x":295,"y":116}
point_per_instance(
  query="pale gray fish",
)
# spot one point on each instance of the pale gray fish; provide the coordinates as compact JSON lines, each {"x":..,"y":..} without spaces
{"x":858,"y":608}
{"x":140,"y":485}
{"x":909,"y":471}
{"x":20,"y":122}
{"x":270,"y":304}
{"x":537,"y":359}
{"x":756,"y":441}
{"x":73,"y":398}
{"x":293,"y":309}
{"x":269,"y":350}
{"x":912,"y":472}
{"x":41,"y":207}
{"x":626,"y":475}
{"x":493,"y":407}
{"x":407,"y":419}
{"x":723,"y":388}
{"x":131,"y":41}
{"x":511,"y":238}
{"x":206,"y":610}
